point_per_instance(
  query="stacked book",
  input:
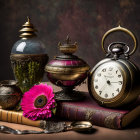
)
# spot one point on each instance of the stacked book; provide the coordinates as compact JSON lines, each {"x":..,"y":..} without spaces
{"x":87,"y":109}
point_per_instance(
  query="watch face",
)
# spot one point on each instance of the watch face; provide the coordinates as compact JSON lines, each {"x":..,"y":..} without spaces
{"x":108,"y":81}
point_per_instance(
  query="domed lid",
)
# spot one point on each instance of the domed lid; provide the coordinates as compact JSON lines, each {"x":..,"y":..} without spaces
{"x":67,"y":63}
{"x":29,"y":43}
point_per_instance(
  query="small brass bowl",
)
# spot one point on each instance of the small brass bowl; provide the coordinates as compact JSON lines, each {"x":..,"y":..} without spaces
{"x":10,"y":94}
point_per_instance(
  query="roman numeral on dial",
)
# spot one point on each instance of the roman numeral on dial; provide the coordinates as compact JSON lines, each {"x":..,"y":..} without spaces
{"x":106,"y":95}
{"x":118,"y":90}
{"x":119,"y":76}
{"x":100,"y":92}
{"x":96,"y":87}
{"x":104,"y":70}
{"x":120,"y":82}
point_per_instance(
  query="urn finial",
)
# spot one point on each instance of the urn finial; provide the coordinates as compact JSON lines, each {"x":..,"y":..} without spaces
{"x":68,"y":47}
{"x":28,"y":30}
{"x":68,"y":39}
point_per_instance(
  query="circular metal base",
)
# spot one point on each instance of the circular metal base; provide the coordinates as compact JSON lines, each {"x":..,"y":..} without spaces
{"x":70,"y":96}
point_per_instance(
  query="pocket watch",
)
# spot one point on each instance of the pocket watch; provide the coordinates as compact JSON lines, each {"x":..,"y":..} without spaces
{"x":114,"y":81}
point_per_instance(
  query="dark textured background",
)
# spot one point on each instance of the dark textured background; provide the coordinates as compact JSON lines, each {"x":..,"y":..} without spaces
{"x":84,"y":20}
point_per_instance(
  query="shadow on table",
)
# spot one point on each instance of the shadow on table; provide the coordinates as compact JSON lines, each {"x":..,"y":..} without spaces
{"x":92,"y":131}
{"x":134,"y":124}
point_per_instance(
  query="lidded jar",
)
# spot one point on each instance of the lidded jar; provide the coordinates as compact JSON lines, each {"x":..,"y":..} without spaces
{"x":67,"y":71}
{"x":10,"y":94}
{"x":28,"y":58}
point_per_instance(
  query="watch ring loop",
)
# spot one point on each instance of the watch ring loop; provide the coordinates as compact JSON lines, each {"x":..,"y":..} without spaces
{"x":119,"y":28}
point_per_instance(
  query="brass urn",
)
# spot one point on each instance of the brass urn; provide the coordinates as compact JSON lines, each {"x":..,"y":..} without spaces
{"x":67,"y":71}
{"x":28,"y":58}
{"x":10,"y":94}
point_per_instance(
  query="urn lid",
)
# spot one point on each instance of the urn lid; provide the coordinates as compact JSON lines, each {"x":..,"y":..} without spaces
{"x":67,"y":63}
{"x":29,"y":43}
{"x":68,"y":47}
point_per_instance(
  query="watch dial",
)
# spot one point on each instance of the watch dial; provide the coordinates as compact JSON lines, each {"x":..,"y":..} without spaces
{"x":108,"y":82}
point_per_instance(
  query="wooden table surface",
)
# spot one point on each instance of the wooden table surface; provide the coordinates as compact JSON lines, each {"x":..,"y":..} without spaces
{"x":132,"y":132}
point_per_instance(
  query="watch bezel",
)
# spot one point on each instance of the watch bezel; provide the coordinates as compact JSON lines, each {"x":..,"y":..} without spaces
{"x":117,"y":100}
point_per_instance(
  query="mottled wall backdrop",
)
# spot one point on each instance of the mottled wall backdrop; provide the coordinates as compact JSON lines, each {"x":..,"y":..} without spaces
{"x":84,"y":20}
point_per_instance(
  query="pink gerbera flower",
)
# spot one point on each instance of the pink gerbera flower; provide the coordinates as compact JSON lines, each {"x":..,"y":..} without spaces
{"x":38,"y":102}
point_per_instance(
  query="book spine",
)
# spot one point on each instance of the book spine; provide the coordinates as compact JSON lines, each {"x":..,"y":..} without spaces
{"x":17,"y":117}
{"x":97,"y":117}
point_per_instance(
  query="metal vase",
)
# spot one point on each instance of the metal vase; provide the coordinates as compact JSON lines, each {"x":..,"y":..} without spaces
{"x":28,"y":69}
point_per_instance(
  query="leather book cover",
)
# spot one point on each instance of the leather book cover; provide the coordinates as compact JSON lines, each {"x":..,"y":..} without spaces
{"x":100,"y":116}
{"x":17,"y":117}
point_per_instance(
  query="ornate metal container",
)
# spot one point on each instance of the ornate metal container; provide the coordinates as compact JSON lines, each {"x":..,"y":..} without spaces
{"x":67,"y":71}
{"x":28,"y":58}
{"x":10,"y":94}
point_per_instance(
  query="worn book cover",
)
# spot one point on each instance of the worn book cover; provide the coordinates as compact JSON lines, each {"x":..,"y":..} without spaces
{"x":17,"y":117}
{"x":79,"y":111}
{"x":89,"y":110}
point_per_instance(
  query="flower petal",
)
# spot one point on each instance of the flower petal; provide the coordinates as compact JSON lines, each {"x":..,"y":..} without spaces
{"x":29,"y":97}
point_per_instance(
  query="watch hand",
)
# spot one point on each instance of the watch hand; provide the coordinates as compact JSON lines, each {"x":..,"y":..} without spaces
{"x":105,"y":77}
{"x":103,"y":87}
{"x":120,"y":82}
{"x":108,"y":82}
